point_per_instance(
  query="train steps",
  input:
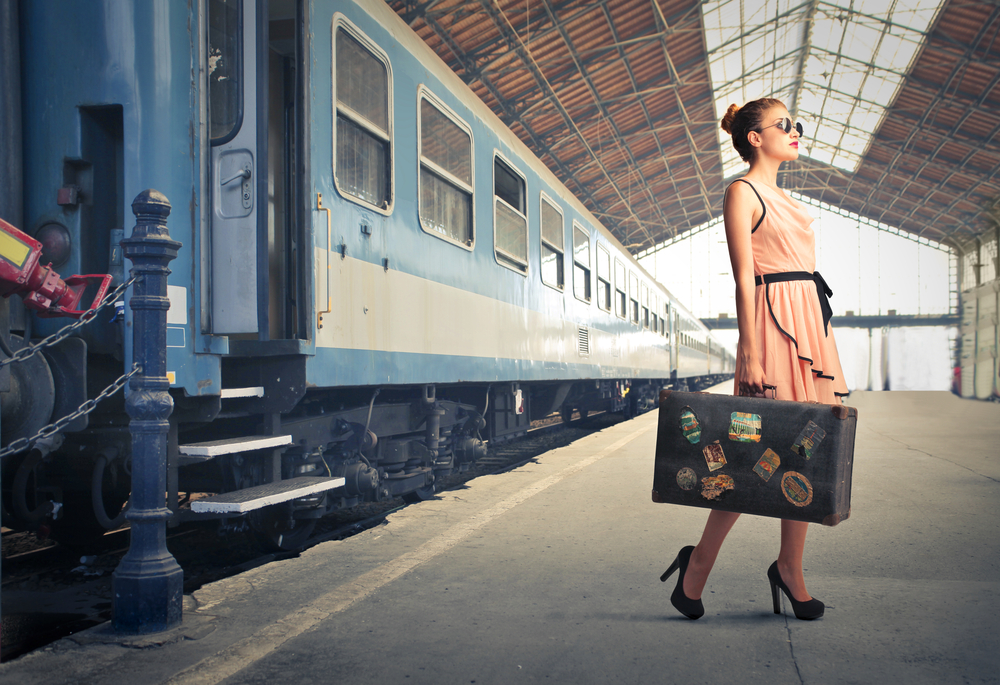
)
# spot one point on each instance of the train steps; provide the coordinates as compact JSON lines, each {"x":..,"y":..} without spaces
{"x":229,"y":393}
{"x":203,"y":451}
{"x":257,"y":497}
{"x":248,"y":499}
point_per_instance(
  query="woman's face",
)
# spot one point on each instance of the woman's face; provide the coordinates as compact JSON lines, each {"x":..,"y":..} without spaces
{"x":774,"y":142}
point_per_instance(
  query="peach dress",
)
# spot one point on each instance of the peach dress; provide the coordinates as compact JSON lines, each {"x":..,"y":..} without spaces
{"x":798,"y":353}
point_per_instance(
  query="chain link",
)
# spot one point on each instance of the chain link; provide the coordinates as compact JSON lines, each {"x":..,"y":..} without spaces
{"x":63,"y":333}
{"x":85,"y":408}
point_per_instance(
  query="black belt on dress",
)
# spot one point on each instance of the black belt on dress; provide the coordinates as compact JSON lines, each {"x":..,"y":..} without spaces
{"x":822,"y":290}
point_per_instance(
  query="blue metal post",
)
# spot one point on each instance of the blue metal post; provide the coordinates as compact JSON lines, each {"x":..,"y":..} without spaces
{"x":148,"y":585}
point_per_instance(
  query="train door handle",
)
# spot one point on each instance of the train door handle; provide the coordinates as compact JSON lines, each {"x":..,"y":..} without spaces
{"x":246,"y":192}
{"x":243,"y":173}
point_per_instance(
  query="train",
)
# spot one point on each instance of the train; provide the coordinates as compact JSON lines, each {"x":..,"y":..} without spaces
{"x":376,"y":277}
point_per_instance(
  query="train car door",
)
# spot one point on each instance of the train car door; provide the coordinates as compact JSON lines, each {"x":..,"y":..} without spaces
{"x":256,"y":264}
{"x":236,"y":168}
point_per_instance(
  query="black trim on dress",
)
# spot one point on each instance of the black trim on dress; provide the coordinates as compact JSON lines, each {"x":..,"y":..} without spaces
{"x":764,"y":213}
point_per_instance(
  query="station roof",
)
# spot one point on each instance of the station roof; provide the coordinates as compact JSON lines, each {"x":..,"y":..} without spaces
{"x":622,"y":100}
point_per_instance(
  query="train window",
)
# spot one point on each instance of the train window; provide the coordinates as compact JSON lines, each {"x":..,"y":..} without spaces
{"x":654,"y":323}
{"x":225,"y":85}
{"x":633,"y":294}
{"x":510,"y":216}
{"x":603,"y":278}
{"x":445,"y":173}
{"x":553,"y":244}
{"x":621,"y":299}
{"x":665,"y":330}
{"x":644,"y":302}
{"x":581,"y":262}
{"x":363,"y":135}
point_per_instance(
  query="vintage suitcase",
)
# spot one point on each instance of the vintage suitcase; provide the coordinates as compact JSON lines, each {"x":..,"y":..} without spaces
{"x":755,"y":455}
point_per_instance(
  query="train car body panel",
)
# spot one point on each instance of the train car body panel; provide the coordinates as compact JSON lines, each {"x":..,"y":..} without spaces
{"x":109,"y":91}
{"x":384,"y":313}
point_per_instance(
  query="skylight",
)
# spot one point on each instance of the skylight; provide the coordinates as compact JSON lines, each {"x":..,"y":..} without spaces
{"x":836,"y":65}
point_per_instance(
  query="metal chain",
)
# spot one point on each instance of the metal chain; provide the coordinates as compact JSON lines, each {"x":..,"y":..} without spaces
{"x":85,"y":408}
{"x":61,"y":334}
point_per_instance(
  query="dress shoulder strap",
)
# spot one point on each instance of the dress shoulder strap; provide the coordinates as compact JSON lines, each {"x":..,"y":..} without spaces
{"x":763,"y":206}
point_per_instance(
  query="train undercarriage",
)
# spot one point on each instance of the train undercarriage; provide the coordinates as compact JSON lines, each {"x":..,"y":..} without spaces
{"x":272,"y":456}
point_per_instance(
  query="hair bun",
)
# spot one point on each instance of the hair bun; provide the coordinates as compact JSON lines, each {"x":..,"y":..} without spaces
{"x":727,"y":118}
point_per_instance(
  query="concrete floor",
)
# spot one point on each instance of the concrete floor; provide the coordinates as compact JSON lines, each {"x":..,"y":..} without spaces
{"x":549,"y":573}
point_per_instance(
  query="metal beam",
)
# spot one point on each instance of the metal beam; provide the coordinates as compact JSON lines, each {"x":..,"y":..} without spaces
{"x":873,"y":321}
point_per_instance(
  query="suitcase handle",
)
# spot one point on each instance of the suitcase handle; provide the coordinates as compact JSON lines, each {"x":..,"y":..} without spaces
{"x":772,"y":388}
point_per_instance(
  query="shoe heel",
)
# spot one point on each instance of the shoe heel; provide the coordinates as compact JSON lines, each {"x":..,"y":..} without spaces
{"x":805,"y":611}
{"x":774,"y":598}
{"x":673,"y":567}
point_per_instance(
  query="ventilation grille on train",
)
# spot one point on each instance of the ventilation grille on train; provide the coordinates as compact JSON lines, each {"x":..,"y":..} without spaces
{"x":583,"y":341}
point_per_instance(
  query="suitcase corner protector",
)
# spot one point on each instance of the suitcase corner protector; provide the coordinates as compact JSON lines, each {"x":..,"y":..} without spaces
{"x":842,"y":411}
{"x":834,"y":519}
{"x":656,"y":497}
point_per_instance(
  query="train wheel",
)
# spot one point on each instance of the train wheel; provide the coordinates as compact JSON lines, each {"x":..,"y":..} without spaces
{"x":28,"y":405}
{"x":420,"y":495}
{"x":566,"y":414}
{"x":99,"y":498}
{"x":276,"y":531}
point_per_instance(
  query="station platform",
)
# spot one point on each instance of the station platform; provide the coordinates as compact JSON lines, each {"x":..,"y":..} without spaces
{"x":550,"y":573}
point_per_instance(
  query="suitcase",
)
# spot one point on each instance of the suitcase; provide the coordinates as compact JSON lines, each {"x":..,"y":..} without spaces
{"x":754,"y":455}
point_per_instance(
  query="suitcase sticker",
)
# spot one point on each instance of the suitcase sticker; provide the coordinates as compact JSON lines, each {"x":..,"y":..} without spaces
{"x":767,"y":464}
{"x":689,"y":425}
{"x":713,"y":486}
{"x":714,"y":456}
{"x":797,"y":488}
{"x":687,"y":479}
{"x":808,"y":440}
{"x":744,"y":427}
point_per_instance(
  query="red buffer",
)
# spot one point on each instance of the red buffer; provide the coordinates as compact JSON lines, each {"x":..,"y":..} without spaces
{"x":42,"y":288}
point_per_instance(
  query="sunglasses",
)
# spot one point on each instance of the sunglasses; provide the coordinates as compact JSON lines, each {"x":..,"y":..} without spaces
{"x":785,"y":125}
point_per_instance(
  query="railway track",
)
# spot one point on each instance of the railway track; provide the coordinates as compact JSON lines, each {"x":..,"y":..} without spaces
{"x":73,"y":586}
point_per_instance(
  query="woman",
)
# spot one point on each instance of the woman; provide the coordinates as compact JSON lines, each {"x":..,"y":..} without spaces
{"x":785,"y":341}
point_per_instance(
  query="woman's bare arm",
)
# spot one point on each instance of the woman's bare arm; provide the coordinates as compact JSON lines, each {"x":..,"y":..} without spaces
{"x":742,"y":211}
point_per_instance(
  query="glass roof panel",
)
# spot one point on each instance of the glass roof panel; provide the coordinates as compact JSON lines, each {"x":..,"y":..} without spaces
{"x":837,"y":65}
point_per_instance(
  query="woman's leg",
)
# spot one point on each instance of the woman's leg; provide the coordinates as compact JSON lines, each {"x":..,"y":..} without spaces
{"x":703,"y":558}
{"x":793,"y":542}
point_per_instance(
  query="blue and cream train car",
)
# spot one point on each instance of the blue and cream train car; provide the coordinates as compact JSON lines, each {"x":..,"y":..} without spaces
{"x":376,"y":274}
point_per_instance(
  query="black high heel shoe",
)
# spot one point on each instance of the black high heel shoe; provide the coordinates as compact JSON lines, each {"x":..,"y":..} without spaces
{"x":692,"y":608}
{"x":805,"y":611}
